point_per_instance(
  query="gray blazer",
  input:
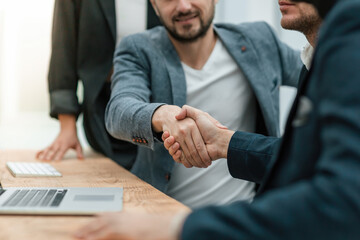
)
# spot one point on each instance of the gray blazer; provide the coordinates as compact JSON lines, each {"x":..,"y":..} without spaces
{"x":148,"y":74}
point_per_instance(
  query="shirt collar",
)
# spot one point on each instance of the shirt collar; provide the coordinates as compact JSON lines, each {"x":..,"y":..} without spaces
{"x":307,"y":55}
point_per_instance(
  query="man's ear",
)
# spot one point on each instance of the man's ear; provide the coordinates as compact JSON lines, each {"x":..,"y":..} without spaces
{"x":153,"y":3}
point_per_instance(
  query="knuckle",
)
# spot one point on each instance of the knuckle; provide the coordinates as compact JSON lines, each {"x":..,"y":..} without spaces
{"x":198,"y":146}
{"x":187,"y":165}
{"x":176,"y":135}
{"x":182,"y":131}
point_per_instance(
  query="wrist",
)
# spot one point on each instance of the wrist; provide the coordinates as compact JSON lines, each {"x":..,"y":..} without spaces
{"x":177,"y":224}
{"x":67,"y":122}
{"x":224,"y":141}
{"x":164,"y":116}
{"x":156,"y":120}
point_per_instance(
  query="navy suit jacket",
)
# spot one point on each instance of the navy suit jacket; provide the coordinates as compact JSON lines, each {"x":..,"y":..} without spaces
{"x":311,"y":188}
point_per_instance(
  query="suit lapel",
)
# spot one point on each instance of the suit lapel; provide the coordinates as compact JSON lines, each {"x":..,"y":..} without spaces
{"x":175,"y":70}
{"x":176,"y":73}
{"x":303,"y":75}
{"x":246,"y":58}
{"x":108,"y":7}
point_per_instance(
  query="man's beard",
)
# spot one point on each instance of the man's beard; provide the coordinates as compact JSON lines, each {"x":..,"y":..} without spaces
{"x":304,"y":24}
{"x":204,"y":27}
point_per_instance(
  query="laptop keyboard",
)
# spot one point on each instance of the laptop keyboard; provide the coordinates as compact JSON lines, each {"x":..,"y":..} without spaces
{"x":32,"y":169}
{"x":36,"y":198}
{"x":2,"y":191}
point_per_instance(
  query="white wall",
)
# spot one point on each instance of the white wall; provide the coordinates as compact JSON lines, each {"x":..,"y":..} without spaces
{"x":236,"y":11}
{"x":25,"y":52}
{"x":25,"y":28}
{"x":1,"y":38}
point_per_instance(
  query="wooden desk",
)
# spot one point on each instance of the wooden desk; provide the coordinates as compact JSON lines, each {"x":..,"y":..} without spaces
{"x":92,"y":172}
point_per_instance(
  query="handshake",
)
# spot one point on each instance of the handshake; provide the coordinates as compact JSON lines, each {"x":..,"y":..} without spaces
{"x":192,"y":137}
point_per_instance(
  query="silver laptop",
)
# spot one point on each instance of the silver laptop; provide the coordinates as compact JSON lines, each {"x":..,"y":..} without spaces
{"x":60,"y":201}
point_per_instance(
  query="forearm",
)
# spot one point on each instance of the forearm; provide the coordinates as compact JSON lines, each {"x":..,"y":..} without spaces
{"x":127,"y":118}
{"x":306,"y":210}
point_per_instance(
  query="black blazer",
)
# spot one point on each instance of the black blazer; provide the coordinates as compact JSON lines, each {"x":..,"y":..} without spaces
{"x":83,"y":44}
{"x":311,"y":189}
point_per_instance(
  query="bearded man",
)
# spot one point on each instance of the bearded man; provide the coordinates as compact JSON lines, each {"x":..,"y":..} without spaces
{"x":231,"y":71}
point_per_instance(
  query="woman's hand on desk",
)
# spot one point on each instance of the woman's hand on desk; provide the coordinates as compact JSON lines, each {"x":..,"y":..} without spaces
{"x":67,"y":139}
{"x":134,"y":226}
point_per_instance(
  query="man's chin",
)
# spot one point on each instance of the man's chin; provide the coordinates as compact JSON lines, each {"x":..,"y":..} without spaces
{"x":288,"y":23}
{"x":187,"y":34}
{"x":184,"y":29}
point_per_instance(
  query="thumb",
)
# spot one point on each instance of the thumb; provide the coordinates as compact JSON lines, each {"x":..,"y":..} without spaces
{"x":187,"y":111}
{"x":182,"y":115}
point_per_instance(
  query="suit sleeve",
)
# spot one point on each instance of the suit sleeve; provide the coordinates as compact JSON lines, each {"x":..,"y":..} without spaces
{"x":250,"y":154}
{"x":129,"y":112}
{"x":325,"y":205}
{"x":63,"y":77}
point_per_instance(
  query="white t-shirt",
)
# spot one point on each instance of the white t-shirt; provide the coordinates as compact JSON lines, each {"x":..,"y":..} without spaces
{"x":131,"y":17}
{"x":220,"y":89}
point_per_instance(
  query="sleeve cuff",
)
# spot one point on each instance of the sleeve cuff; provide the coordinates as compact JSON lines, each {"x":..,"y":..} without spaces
{"x":237,"y":154}
{"x":64,"y":102}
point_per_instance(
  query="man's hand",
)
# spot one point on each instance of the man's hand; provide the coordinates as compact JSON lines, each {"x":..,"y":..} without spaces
{"x":132,"y":226}
{"x":215,"y":135}
{"x":67,"y":139}
{"x":187,"y":134}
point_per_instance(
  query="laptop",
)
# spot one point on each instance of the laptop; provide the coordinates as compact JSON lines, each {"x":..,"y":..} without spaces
{"x":60,"y":201}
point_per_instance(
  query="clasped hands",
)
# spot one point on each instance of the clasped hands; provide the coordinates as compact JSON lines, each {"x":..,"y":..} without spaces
{"x":194,"y":138}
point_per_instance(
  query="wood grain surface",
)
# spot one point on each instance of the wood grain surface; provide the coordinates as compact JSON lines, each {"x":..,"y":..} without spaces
{"x":94,"y":171}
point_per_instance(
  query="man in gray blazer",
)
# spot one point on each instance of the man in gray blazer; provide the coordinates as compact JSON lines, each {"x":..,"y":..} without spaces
{"x":231,"y":71}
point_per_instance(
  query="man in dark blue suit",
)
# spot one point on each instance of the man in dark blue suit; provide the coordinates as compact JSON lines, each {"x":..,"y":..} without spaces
{"x":310,"y":186}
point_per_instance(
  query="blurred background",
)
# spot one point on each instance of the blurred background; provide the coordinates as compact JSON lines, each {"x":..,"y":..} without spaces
{"x":25,"y":35}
